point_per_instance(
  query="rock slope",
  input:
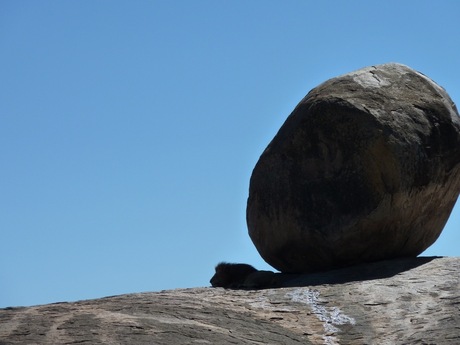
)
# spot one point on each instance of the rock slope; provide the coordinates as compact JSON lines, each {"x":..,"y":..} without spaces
{"x":406,"y":301}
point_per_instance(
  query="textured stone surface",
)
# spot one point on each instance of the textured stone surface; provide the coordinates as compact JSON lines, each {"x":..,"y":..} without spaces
{"x":407,"y":301}
{"x":367,"y":167}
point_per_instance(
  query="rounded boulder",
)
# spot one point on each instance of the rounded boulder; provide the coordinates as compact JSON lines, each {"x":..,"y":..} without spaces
{"x":366,"y":168}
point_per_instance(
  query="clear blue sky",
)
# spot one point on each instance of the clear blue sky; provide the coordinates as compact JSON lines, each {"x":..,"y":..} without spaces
{"x":129,"y":129}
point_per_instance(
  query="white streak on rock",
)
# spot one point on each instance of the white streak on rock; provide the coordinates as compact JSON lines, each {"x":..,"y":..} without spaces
{"x":329,"y":316}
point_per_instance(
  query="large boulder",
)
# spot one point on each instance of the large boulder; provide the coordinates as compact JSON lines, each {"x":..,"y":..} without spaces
{"x":366,"y":167}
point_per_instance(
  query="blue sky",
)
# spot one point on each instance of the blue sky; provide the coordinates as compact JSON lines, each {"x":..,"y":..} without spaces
{"x":129,"y":129}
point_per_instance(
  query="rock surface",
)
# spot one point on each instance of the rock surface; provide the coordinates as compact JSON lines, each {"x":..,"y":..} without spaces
{"x":406,"y":301}
{"x":367,"y":167}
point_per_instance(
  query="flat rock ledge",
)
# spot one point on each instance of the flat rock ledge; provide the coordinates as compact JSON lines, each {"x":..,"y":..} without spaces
{"x":405,"y":301}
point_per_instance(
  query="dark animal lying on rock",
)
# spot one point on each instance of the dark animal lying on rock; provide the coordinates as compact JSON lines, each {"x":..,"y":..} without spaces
{"x":243,"y":276}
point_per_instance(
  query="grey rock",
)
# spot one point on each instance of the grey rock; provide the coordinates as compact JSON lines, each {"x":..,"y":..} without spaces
{"x":406,"y":301}
{"x":366,"y":168}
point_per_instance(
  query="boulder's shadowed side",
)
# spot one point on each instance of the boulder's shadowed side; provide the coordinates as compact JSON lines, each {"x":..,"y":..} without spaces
{"x":366,"y":168}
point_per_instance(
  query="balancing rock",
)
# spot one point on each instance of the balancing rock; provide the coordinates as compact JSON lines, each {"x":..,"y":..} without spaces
{"x":366,"y":168}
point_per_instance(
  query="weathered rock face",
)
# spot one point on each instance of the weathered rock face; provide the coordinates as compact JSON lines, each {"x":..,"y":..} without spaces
{"x":367,"y":167}
{"x":408,"y":301}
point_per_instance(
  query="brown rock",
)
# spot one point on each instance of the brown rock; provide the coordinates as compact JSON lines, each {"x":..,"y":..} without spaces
{"x":408,"y":301}
{"x":367,"y":167}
